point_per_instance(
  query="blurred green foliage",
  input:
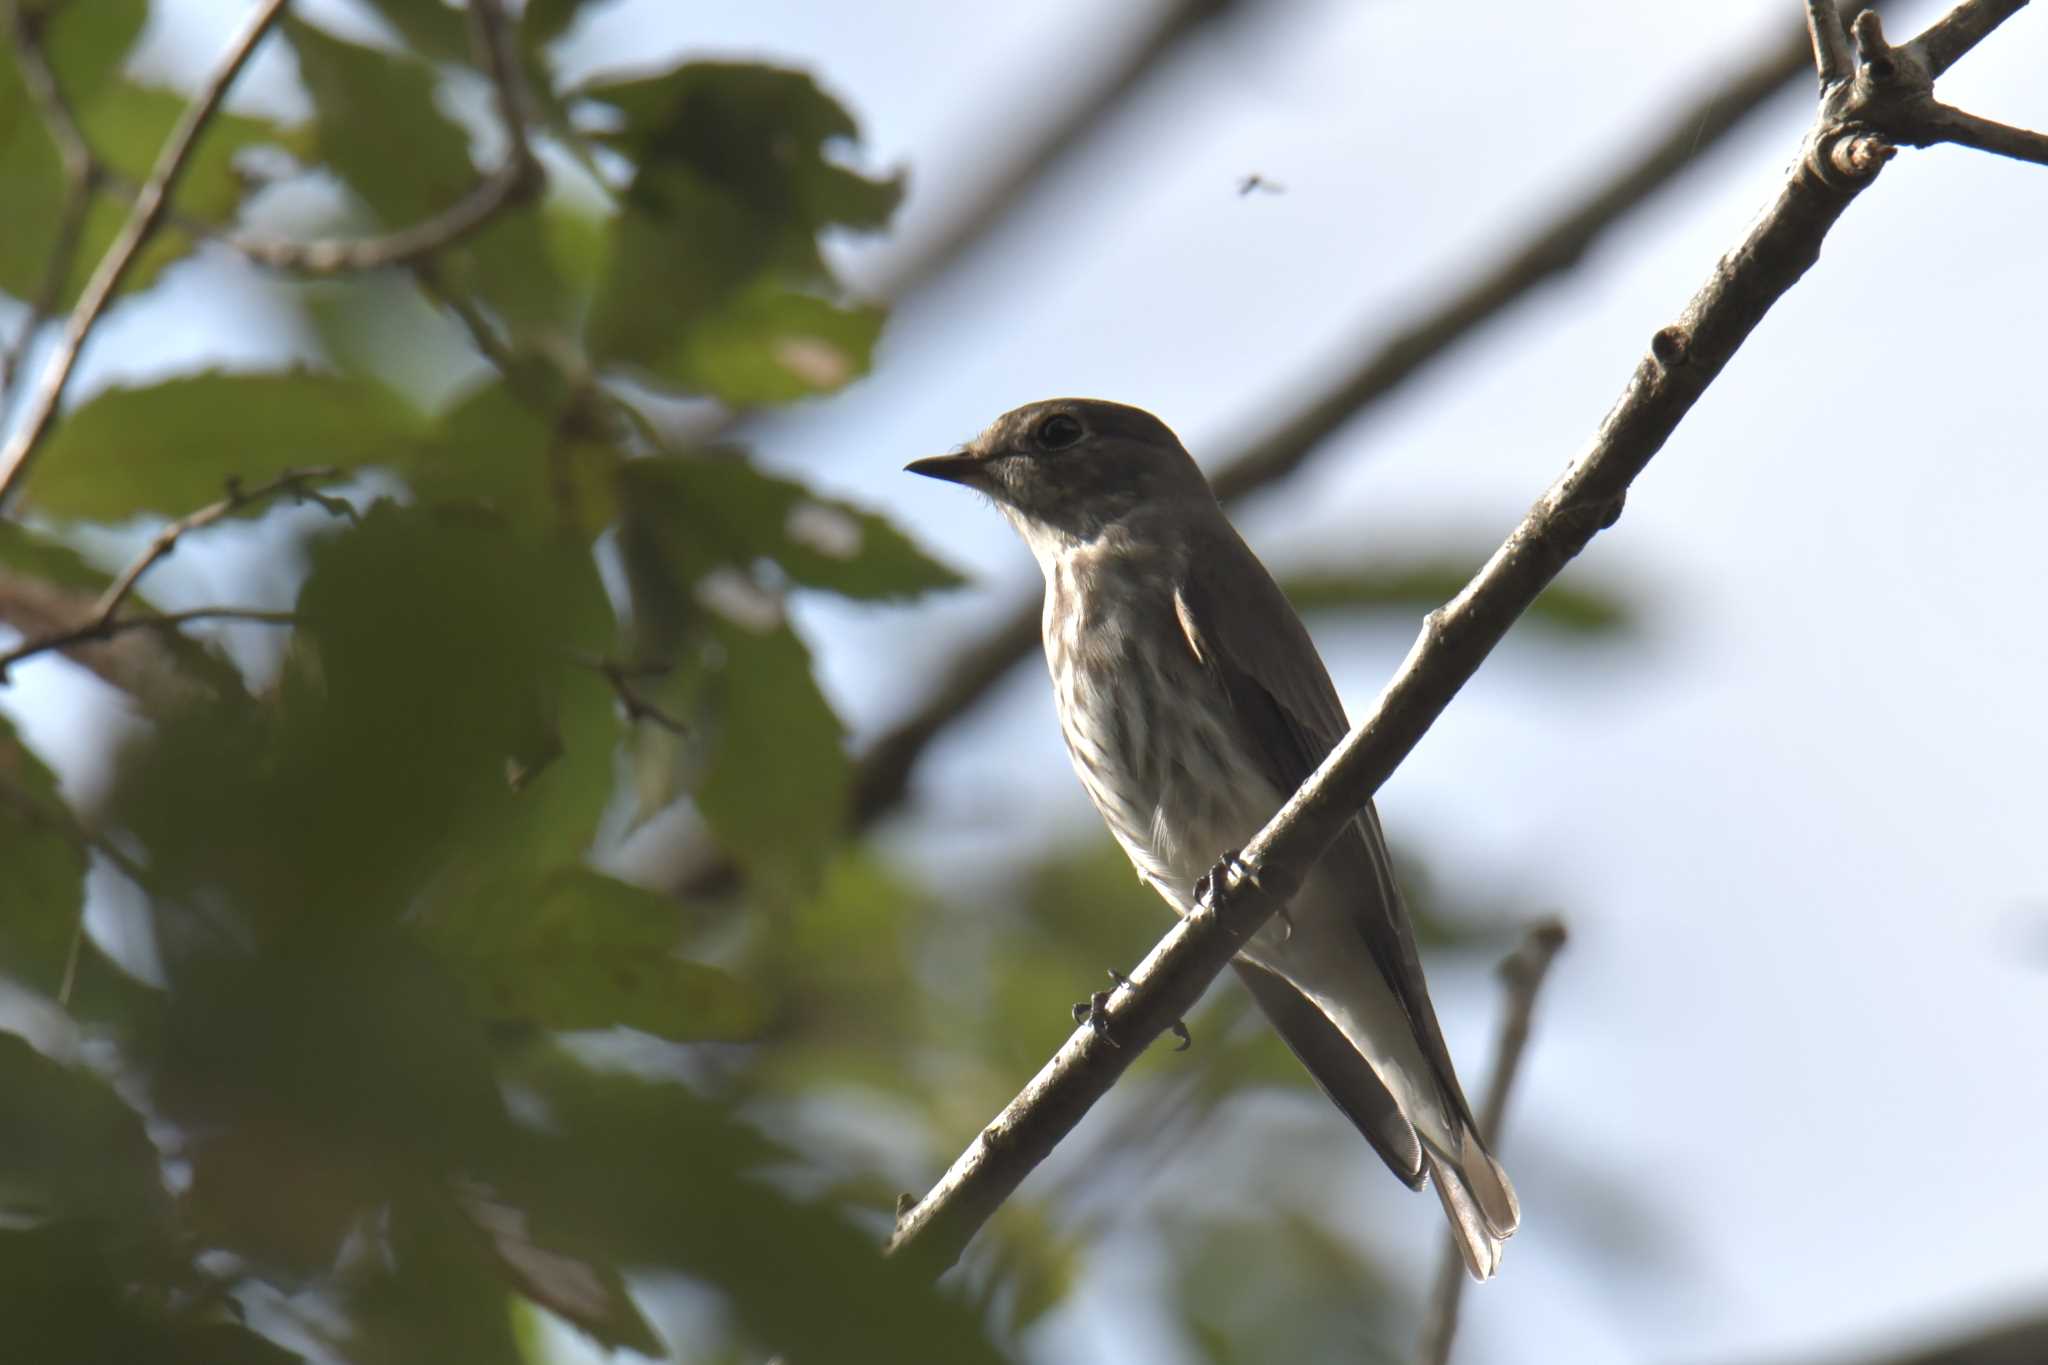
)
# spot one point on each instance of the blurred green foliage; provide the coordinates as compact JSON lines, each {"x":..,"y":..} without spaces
{"x":342,"y":1112}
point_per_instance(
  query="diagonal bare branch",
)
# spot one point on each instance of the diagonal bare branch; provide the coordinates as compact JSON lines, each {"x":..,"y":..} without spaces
{"x":18,"y":454}
{"x":1683,"y":359}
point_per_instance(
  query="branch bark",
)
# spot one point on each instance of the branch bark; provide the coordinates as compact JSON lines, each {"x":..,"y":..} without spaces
{"x":17,"y":456}
{"x":1846,"y":147}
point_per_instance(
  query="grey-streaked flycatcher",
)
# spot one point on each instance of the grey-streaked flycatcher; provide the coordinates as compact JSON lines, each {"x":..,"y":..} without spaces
{"x":1193,"y":704}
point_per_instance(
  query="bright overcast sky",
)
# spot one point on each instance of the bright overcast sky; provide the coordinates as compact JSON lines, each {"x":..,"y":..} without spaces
{"x":1796,"y":824}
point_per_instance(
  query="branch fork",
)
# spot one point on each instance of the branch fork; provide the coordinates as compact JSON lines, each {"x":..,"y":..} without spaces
{"x":1876,"y":97}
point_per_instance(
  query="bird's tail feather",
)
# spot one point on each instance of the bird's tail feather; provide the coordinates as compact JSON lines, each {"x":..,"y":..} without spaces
{"x":1477,"y":1198}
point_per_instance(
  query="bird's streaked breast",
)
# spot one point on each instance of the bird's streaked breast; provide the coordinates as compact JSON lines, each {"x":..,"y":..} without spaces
{"x":1144,"y":732}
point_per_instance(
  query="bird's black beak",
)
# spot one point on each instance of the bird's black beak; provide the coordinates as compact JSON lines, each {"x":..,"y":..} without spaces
{"x":957,"y":468}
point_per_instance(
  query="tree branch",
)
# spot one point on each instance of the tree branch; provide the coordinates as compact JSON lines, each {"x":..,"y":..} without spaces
{"x":1843,"y":152}
{"x":517,"y":180}
{"x":100,"y":622}
{"x":1955,"y":33}
{"x":95,"y":630}
{"x":296,"y":482}
{"x":18,"y":454}
{"x":1522,"y":973}
{"x":882,"y":775}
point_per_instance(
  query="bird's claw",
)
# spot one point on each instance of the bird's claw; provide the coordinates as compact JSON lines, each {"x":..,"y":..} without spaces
{"x":1094,"y":1012}
{"x":1228,"y":868}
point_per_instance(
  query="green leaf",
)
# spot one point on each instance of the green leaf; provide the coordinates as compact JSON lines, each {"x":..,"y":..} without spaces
{"x":714,"y":279}
{"x":172,"y":446}
{"x":126,"y":125}
{"x":37,"y":555}
{"x":436,"y":31}
{"x":62,"y":1304}
{"x":495,"y":450}
{"x":71,"y":1148}
{"x":85,"y":45}
{"x":776,"y":790}
{"x":547,"y":20}
{"x":583,"y":1290}
{"x":42,"y":892}
{"x":580,"y":950}
{"x":664,"y":1178}
{"x":731,"y":513}
{"x":436,"y":651}
{"x":759,"y":135}
{"x":1424,"y":584}
{"x":772,"y":345}
{"x":378,"y":126}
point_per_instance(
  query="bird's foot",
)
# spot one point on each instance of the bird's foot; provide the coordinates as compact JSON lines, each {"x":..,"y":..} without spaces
{"x":1094,"y":1012}
{"x":1231,"y":868}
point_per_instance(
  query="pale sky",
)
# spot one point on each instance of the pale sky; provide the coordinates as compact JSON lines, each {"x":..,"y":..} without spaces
{"x":1796,"y":824}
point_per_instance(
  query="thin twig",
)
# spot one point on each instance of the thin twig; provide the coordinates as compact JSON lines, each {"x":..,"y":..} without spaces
{"x":1683,"y":360}
{"x":96,"y":630}
{"x":1521,"y":973}
{"x":1829,"y":40}
{"x":296,"y":482}
{"x":1968,"y":130}
{"x":882,"y":774}
{"x":623,"y":678}
{"x":19,"y":452}
{"x":976,"y":214}
{"x":518,"y":179}
{"x":81,"y":171}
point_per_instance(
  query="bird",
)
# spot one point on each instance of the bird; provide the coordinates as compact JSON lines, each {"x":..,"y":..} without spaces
{"x":1193,"y":702}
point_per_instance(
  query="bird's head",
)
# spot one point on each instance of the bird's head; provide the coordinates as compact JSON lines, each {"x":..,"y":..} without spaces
{"x":1066,"y":469}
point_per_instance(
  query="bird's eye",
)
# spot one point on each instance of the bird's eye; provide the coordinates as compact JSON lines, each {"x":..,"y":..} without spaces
{"x":1058,"y":431}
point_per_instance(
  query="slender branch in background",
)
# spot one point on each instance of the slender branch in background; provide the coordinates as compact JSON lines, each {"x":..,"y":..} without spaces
{"x":101,"y":623}
{"x":1843,"y":152}
{"x":882,"y":775}
{"x":93,"y":631}
{"x":17,"y":456}
{"x":977,"y":213}
{"x":1521,"y":973}
{"x":518,"y":179}
{"x":298,"y":483}
{"x":81,"y":169}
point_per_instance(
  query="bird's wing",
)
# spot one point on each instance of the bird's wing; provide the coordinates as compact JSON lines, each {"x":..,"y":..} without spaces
{"x":1248,"y":636}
